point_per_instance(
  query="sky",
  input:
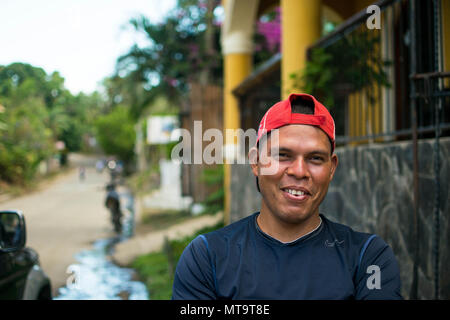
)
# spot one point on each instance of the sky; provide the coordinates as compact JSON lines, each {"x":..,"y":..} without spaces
{"x":81,"y":39}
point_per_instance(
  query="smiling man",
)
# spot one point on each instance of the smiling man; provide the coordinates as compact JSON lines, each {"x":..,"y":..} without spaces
{"x":289,"y":250}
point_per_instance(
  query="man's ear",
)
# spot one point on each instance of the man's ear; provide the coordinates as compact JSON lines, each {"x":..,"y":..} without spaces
{"x":253,"y":159}
{"x":334,"y":164}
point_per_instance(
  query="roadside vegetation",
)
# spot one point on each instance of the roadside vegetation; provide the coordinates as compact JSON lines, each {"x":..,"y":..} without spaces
{"x":36,"y":112}
{"x":41,"y":122}
{"x":155,"y":220}
{"x":157,"y":269}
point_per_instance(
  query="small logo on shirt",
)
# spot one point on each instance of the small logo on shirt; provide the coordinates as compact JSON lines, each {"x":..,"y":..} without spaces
{"x":331,"y":244}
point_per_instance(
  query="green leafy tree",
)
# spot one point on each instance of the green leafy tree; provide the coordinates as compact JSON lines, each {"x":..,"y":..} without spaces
{"x":25,"y":141}
{"x":25,"y":138}
{"x":181,"y":49}
{"x":19,"y":82}
{"x":35,"y":111}
{"x":116,"y":134}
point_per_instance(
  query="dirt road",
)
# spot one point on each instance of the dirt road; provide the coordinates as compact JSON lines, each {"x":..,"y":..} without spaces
{"x":64,"y":217}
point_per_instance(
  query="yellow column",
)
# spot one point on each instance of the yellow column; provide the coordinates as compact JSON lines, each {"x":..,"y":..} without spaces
{"x":300,"y":27}
{"x":237,"y":66}
{"x":237,"y":48}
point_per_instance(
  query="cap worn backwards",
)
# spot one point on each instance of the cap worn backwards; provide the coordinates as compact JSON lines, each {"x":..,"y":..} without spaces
{"x":281,"y":114}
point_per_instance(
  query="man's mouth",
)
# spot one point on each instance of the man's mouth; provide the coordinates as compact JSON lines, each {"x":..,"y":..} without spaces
{"x":298,"y":194}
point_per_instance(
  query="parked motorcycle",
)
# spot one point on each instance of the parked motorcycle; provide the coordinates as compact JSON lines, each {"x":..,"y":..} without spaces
{"x":112,"y":202}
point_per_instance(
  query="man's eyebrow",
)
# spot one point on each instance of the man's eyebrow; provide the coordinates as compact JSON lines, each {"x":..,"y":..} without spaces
{"x":289,"y":149}
{"x":313,"y":152}
{"x":282,"y":149}
{"x":320,"y":152}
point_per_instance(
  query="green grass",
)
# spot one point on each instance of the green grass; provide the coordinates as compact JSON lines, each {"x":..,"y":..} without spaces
{"x":152,"y":221}
{"x":156,"y":269}
{"x":153,"y":270}
{"x":164,"y":219}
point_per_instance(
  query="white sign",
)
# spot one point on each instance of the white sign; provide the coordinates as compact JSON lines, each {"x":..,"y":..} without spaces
{"x":162,"y":129}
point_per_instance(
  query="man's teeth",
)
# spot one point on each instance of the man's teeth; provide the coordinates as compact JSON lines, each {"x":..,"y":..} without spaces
{"x":296,"y":192}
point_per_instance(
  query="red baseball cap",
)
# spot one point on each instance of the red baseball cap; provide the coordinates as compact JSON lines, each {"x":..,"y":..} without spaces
{"x":280,"y":114}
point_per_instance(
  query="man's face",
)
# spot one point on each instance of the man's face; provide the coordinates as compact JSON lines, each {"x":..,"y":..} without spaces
{"x":304,"y":168}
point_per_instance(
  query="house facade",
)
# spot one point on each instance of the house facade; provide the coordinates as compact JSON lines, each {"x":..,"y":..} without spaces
{"x":382,"y":69}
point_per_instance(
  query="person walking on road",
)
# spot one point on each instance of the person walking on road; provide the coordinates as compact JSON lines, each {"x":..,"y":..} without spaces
{"x":82,"y":173}
{"x":112,"y":202}
{"x":288,"y":250}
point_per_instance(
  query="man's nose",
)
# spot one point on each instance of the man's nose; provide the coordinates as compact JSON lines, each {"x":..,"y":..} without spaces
{"x":298,"y":169}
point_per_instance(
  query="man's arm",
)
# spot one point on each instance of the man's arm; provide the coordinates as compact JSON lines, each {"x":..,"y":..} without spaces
{"x":194,"y":275}
{"x":378,"y":275}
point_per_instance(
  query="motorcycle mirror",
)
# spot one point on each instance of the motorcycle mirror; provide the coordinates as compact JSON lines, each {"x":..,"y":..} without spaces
{"x":12,"y":230}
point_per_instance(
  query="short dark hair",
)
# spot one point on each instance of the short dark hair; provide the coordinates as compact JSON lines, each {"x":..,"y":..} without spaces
{"x":302,"y":105}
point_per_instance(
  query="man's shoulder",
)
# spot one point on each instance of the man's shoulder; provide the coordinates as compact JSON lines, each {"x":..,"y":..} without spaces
{"x":341,"y":231}
{"x":361,"y":243}
{"x":232,"y":232}
{"x":370,"y":256}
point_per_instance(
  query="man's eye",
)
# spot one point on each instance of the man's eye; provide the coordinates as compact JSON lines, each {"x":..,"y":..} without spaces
{"x":282,"y":155}
{"x":317,"y":159}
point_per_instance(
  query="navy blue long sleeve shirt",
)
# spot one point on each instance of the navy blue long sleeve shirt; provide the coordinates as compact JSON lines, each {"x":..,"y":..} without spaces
{"x":240,"y":261}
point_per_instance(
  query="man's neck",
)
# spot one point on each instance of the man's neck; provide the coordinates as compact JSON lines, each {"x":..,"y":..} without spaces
{"x":284,"y":231}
